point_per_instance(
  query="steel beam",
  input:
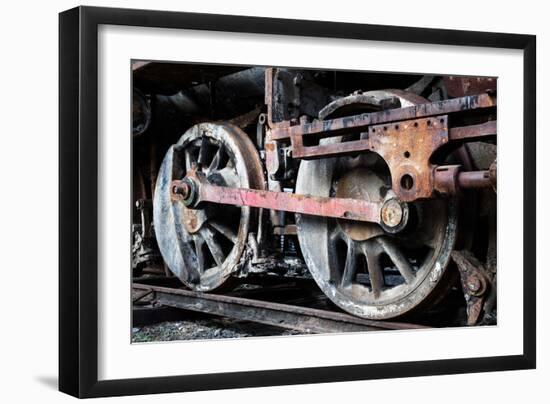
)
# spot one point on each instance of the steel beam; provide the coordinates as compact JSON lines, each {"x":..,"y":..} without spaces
{"x":299,"y":318}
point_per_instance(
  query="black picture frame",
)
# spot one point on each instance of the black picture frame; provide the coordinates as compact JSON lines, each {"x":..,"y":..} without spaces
{"x":78,"y":201}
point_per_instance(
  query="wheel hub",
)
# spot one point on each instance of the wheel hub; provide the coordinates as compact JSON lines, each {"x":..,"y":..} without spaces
{"x":392,"y":213}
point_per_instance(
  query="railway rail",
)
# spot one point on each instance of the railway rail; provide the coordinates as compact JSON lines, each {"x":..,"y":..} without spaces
{"x":288,"y":316}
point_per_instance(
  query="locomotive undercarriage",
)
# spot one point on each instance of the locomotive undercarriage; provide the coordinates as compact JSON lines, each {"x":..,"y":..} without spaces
{"x":385,"y":197}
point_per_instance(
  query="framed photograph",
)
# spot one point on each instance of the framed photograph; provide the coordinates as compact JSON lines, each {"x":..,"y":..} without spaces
{"x":252,"y":201}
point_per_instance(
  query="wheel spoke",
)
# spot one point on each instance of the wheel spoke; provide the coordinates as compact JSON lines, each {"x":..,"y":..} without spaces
{"x":229,"y":176}
{"x":429,"y":230}
{"x":431,"y":243}
{"x":224,"y":231}
{"x":182,"y":233}
{"x":213,"y":245}
{"x":396,"y":255}
{"x":203,"y":151}
{"x":188,"y":161}
{"x":334,"y":236}
{"x":199,"y":242}
{"x":215,"y":163}
{"x":375,"y":269}
{"x":350,"y":267}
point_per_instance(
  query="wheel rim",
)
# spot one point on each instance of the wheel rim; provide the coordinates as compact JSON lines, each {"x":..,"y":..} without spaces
{"x":202,"y":247}
{"x":360,"y":267}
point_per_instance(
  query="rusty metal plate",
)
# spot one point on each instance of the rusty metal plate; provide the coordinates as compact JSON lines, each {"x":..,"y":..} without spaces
{"x":407,"y":147}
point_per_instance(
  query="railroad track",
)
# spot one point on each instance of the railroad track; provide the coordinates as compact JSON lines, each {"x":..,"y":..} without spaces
{"x":283,"y":315}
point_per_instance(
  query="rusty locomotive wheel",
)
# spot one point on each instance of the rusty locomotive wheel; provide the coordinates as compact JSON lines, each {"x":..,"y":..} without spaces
{"x":361,"y":267}
{"x":202,"y":247}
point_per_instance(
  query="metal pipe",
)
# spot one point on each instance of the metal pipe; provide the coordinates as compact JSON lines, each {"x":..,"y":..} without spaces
{"x":475,"y":179}
{"x":449,"y":179}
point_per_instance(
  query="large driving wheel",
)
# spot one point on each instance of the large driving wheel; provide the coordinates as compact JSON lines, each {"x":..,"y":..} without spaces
{"x":362,"y":268}
{"x":202,"y":247}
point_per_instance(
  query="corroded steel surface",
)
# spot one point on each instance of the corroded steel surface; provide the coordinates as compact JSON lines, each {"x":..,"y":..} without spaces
{"x":341,"y":208}
{"x":458,"y":86}
{"x":336,"y":126}
{"x":476,"y":179}
{"x":407,"y":147}
{"x":449,"y":179}
{"x":473,"y":132}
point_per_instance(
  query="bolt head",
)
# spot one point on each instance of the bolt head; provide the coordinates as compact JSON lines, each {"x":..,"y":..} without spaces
{"x":474,"y":285}
{"x":392,"y":213}
{"x":181,"y":189}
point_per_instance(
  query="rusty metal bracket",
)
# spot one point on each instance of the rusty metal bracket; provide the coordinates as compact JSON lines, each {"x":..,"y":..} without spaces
{"x":406,"y":138}
{"x":475,"y":283}
{"x":407,"y":147}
